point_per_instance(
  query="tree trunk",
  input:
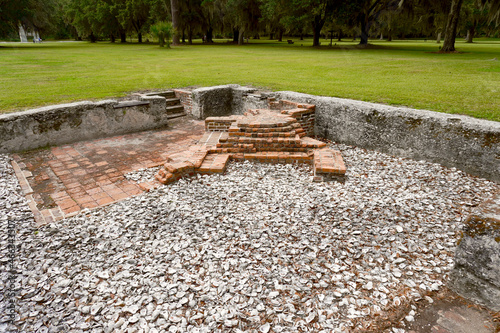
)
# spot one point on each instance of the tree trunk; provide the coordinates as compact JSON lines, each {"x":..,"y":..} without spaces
{"x":174,"y":5}
{"x":317,"y":26}
{"x":271,"y":36}
{"x":438,"y":38}
{"x":316,"y":36}
{"x":241,"y":37}
{"x":92,"y":37}
{"x":389,"y":36}
{"x":339,"y":39}
{"x":364,"y":31}
{"x":470,"y":34}
{"x":123,"y":37}
{"x":210,"y":35}
{"x":451,"y":26}
{"x":236,"y":33}
{"x":113,"y":39}
{"x":190,"y":36}
{"x":183,"y":36}
{"x":139,"y":37}
{"x":280,"y":35}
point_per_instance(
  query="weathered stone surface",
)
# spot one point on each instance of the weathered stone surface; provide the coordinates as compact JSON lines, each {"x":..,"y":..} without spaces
{"x":244,"y":98}
{"x":67,"y":123}
{"x":477,"y":260}
{"x":127,"y":104}
{"x":469,"y":144}
{"x":226,"y":100}
{"x":212,"y":101}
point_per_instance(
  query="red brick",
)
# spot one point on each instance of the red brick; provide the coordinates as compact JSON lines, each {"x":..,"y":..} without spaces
{"x":118,"y":195}
{"x":77,"y":191}
{"x":105,"y":201}
{"x":90,"y":204}
{"x":133,"y":192}
{"x":83,"y":199}
{"x":79,"y":172}
{"x":59,"y":195}
{"x":71,"y":209}
{"x":100,"y":195}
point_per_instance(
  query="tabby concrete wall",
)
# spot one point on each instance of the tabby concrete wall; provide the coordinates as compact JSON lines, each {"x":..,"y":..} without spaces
{"x":477,"y":258}
{"x":226,"y":100}
{"x":469,"y":144}
{"x":66,"y":123}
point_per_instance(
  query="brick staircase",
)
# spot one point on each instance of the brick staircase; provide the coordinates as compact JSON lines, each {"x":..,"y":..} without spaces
{"x":174,"y":107}
{"x":262,"y":135}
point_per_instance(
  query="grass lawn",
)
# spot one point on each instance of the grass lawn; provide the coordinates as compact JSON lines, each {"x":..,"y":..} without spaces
{"x":406,"y":73}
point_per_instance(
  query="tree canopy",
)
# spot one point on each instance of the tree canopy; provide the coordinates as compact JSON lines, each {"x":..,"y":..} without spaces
{"x":243,"y":19}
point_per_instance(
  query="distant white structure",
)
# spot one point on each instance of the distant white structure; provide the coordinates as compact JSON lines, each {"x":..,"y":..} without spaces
{"x":22,"y":34}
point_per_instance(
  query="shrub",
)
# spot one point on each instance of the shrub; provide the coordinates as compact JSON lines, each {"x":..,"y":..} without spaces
{"x":163,"y":31}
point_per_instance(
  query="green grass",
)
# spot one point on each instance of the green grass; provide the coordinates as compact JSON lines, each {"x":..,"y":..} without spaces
{"x":408,"y":73}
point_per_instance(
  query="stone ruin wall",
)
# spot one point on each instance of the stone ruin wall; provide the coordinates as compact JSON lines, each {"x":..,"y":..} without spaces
{"x":469,"y":144}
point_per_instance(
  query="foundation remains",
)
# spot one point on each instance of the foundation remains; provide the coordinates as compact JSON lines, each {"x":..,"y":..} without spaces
{"x":278,"y":135}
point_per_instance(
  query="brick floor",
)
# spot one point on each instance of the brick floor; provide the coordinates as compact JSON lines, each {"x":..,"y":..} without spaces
{"x":61,"y":181}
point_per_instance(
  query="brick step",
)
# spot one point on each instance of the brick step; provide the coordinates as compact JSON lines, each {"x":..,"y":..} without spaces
{"x":279,"y":147}
{"x":176,"y":115}
{"x":297,"y":112}
{"x":256,"y":150}
{"x":165,"y":177}
{"x":328,"y":162}
{"x":235,"y":145}
{"x":286,"y":105}
{"x":264,"y":147}
{"x":276,"y":157}
{"x":313,"y":143}
{"x":173,"y":101}
{"x":271,"y":128}
{"x":263,"y":141}
{"x":214,"y":163}
{"x":181,"y":164}
{"x":223,"y":137}
{"x":237,"y":135}
{"x":167,"y":94}
{"x":210,"y":139}
{"x":175,"y":109}
{"x":287,"y":134}
{"x":243,"y":124}
{"x":231,"y":150}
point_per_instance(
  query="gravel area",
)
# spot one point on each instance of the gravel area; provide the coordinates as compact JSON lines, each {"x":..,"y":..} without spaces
{"x":261,"y":248}
{"x":142,"y":175}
